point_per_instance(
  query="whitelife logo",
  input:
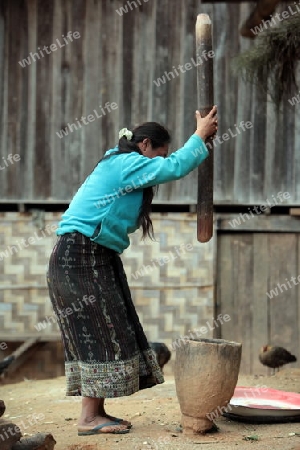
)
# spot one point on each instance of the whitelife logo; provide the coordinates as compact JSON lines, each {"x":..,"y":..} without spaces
{"x":109,"y":198}
{"x":259,"y":209}
{"x":200,"y":332}
{"x":64,"y":313}
{"x":11,"y":250}
{"x":168,"y":76}
{"x":131,"y":4}
{"x":86,"y":120}
{"x":275,"y":19}
{"x":242,"y":126}
{"x":53,"y":47}
{"x":145,"y":269}
{"x":9,"y":160}
{"x":294,"y":100}
{"x":255,"y":392}
{"x":275,"y":292}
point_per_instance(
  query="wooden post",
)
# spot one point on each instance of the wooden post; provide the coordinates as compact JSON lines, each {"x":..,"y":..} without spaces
{"x":205,"y":91}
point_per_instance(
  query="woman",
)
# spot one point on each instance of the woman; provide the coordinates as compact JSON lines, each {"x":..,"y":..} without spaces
{"x":106,"y":351}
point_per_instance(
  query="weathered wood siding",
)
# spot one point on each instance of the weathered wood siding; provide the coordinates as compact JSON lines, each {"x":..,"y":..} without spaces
{"x":116,"y":59}
{"x":259,"y":257}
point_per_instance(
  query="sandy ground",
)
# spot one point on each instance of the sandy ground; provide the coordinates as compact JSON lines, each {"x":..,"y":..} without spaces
{"x":155,"y":415}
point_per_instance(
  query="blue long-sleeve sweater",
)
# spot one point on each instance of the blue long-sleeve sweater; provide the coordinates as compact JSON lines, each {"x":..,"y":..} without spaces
{"x":107,"y":205}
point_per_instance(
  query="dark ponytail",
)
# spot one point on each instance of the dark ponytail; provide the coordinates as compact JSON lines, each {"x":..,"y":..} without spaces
{"x":158,"y":136}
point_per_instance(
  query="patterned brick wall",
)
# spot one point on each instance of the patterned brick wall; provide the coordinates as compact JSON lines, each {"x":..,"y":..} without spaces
{"x":171,"y":278}
{"x":24,"y":252}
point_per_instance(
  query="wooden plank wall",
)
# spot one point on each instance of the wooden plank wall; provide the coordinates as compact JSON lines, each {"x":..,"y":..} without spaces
{"x":116,"y":59}
{"x":250,"y":265}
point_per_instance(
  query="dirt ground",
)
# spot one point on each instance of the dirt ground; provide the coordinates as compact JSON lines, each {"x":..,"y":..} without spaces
{"x":155,"y":415}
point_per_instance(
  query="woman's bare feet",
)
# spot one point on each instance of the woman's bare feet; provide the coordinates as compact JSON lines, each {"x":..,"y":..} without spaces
{"x":121,"y":421}
{"x":103,"y":413}
{"x":91,"y":423}
{"x":90,"y":418}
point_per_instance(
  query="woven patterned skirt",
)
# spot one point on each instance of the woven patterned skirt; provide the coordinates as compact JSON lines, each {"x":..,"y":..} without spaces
{"x":106,"y":351}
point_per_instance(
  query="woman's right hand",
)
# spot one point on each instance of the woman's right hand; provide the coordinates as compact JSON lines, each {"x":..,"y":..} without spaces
{"x":208,"y":125}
